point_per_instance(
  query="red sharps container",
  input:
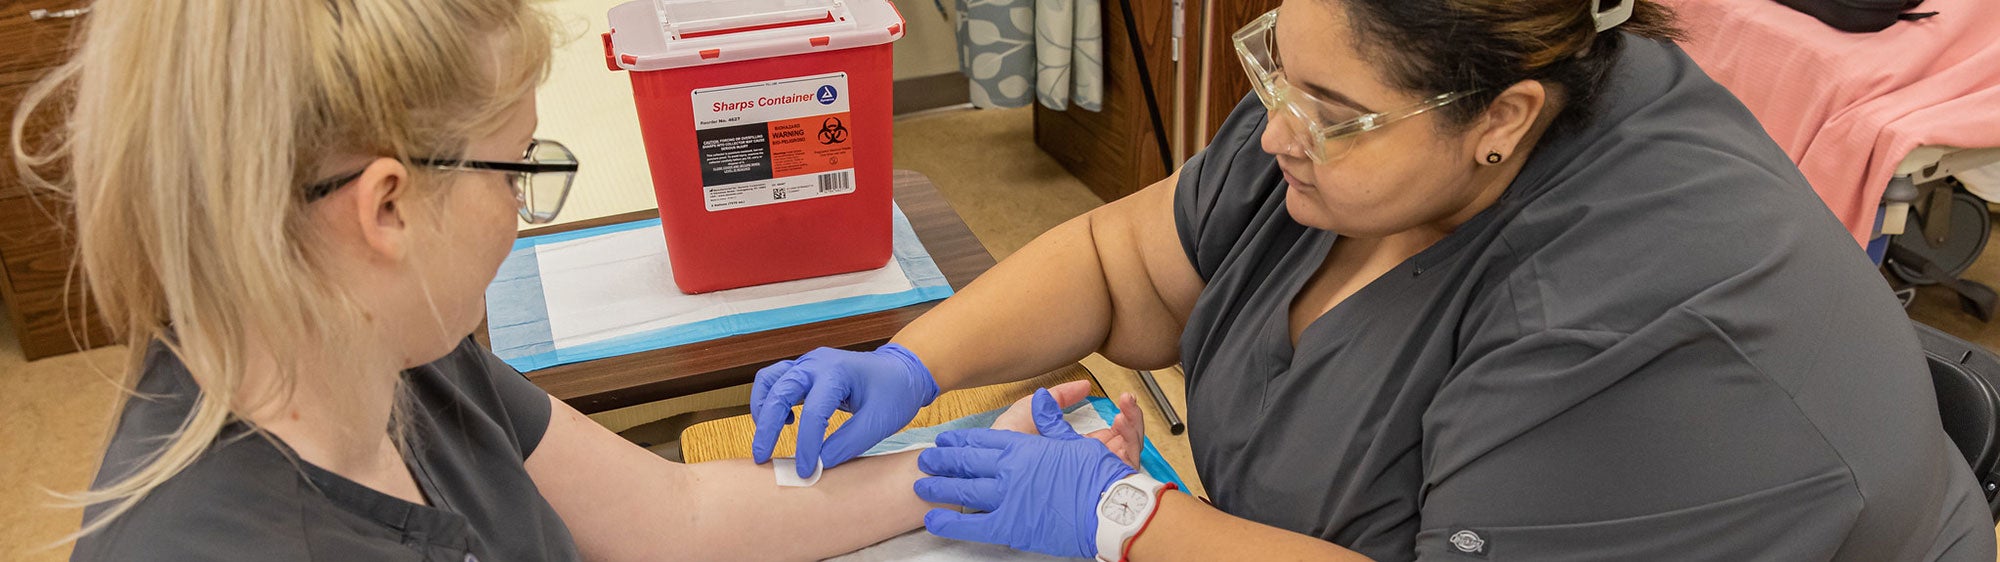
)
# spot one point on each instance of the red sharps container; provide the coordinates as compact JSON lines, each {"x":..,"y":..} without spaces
{"x":767,"y":128}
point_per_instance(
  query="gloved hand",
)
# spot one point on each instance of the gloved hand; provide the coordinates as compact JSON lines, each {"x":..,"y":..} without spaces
{"x":883,"y":389}
{"x":1039,"y":493}
{"x":1126,"y":436}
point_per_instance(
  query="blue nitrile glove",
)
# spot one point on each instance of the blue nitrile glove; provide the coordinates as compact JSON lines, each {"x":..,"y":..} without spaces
{"x":1039,"y":493}
{"x":883,"y":389}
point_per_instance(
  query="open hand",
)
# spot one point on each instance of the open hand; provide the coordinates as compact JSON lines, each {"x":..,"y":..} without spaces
{"x":1126,"y":437}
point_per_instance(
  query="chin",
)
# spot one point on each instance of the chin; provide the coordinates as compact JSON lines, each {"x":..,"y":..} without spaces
{"x":441,"y":340}
{"x":1314,"y":214}
{"x":1309,"y":212}
{"x":438,"y":349}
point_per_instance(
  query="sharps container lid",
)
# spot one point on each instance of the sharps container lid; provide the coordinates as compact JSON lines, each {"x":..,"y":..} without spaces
{"x":663,"y":34}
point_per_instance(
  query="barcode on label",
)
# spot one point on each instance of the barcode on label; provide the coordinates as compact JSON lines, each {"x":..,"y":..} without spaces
{"x":837,"y":182}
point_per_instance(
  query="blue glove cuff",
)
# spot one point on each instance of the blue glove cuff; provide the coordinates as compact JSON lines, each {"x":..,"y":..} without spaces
{"x":920,"y":376}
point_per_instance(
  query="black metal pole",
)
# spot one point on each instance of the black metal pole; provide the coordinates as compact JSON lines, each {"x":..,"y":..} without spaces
{"x":1174,"y":423}
{"x":1146,"y":83}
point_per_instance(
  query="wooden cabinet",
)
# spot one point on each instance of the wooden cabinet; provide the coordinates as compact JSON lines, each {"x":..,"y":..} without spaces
{"x":1113,"y":151}
{"x":1224,"y":83}
{"x":1196,"y":79}
{"x":44,"y":295}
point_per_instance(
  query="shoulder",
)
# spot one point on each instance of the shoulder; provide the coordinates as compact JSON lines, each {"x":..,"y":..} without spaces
{"x":468,"y":368}
{"x":242,"y":500}
{"x":1673,"y":192}
{"x":1227,"y":189}
{"x":471,"y":380}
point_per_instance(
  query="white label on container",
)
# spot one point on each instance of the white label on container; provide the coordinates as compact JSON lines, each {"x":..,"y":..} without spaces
{"x":774,"y":142}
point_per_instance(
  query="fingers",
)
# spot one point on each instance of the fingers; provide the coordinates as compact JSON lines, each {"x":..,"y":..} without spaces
{"x":770,"y":416}
{"x":1129,"y":446}
{"x":770,"y":422}
{"x":853,"y":439}
{"x":765,"y":378}
{"x":959,"y":526}
{"x":1130,"y":425}
{"x":1118,"y":445}
{"x":982,"y":494}
{"x":1128,"y":405}
{"x":1123,"y":424}
{"x":789,"y":388}
{"x":1069,"y":393}
{"x":981,"y":438}
{"x":1049,"y":418}
{"x":1131,"y":420}
{"x":960,"y":462}
{"x":821,"y":401}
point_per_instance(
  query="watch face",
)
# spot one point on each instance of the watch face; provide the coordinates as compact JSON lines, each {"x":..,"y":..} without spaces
{"x":1124,"y":504}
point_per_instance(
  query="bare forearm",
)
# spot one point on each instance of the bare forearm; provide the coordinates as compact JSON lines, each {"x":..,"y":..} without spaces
{"x":1187,"y":529}
{"x":741,"y":514}
{"x":622,"y":502}
{"x":1046,"y":306}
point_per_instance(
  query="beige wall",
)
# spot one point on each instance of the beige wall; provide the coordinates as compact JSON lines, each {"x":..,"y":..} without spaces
{"x":928,"y":46}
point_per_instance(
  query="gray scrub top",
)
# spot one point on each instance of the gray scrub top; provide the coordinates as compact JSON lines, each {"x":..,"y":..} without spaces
{"x":1658,"y":344}
{"x":473,"y":423}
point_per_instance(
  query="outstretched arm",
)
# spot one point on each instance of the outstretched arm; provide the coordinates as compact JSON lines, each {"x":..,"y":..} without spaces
{"x":1114,"y":280}
{"x":622,"y":502}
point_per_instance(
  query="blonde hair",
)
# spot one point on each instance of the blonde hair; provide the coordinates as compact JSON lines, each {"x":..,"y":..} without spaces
{"x":193,"y":127}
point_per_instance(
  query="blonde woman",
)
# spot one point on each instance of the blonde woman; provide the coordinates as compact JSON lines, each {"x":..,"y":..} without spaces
{"x":299,"y":204}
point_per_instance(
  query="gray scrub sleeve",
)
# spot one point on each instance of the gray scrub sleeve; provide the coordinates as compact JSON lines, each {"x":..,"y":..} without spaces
{"x":1211,"y":218}
{"x":524,"y":407}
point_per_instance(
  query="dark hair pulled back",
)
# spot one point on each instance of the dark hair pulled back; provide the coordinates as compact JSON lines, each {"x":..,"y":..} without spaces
{"x":1436,"y":46}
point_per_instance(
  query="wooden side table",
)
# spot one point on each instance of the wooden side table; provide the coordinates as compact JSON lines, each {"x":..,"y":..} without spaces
{"x":627,"y":380}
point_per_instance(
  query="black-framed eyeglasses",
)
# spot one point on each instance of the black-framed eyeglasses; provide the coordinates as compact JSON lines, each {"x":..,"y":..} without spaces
{"x":541,"y":180}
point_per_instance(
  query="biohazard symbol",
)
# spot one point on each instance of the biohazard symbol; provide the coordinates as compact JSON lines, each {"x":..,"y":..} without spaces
{"x":832,"y":132}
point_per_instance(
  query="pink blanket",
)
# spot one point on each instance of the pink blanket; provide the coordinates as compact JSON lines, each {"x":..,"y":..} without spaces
{"x":1849,"y":107}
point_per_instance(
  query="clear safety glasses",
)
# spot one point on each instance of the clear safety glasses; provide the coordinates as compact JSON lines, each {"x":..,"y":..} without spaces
{"x":1325,"y":130}
{"x":541,"y":179}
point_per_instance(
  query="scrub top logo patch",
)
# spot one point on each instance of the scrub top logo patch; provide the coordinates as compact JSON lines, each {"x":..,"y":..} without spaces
{"x":827,"y":95}
{"x":1468,"y":542}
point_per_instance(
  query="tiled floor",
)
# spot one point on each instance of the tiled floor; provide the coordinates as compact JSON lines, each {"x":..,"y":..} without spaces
{"x":54,"y":412}
{"x":53,"y":416}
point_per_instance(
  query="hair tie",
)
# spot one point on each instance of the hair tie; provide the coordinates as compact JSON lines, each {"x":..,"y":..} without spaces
{"x":1606,"y":19}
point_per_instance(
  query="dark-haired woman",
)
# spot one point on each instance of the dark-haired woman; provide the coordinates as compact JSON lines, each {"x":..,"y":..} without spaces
{"x":1464,"y":279}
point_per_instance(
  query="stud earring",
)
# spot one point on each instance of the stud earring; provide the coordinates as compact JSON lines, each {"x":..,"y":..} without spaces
{"x":1493,"y":158}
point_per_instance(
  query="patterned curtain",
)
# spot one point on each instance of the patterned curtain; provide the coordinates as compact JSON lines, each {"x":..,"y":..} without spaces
{"x":1054,"y":49}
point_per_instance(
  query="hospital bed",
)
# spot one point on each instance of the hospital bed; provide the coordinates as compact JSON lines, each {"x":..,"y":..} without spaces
{"x":1882,"y":124}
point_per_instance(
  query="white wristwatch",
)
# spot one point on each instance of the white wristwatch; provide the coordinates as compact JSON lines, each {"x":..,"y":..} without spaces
{"x":1123,"y":511}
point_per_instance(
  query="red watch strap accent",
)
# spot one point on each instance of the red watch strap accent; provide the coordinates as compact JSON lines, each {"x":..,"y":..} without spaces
{"x":1125,"y":552}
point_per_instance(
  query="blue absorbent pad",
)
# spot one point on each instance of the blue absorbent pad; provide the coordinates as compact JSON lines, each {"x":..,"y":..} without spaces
{"x":616,"y":296}
{"x":1149,"y":457}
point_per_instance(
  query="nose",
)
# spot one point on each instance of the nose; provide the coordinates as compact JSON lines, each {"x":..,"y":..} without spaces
{"x":1280,"y":138}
